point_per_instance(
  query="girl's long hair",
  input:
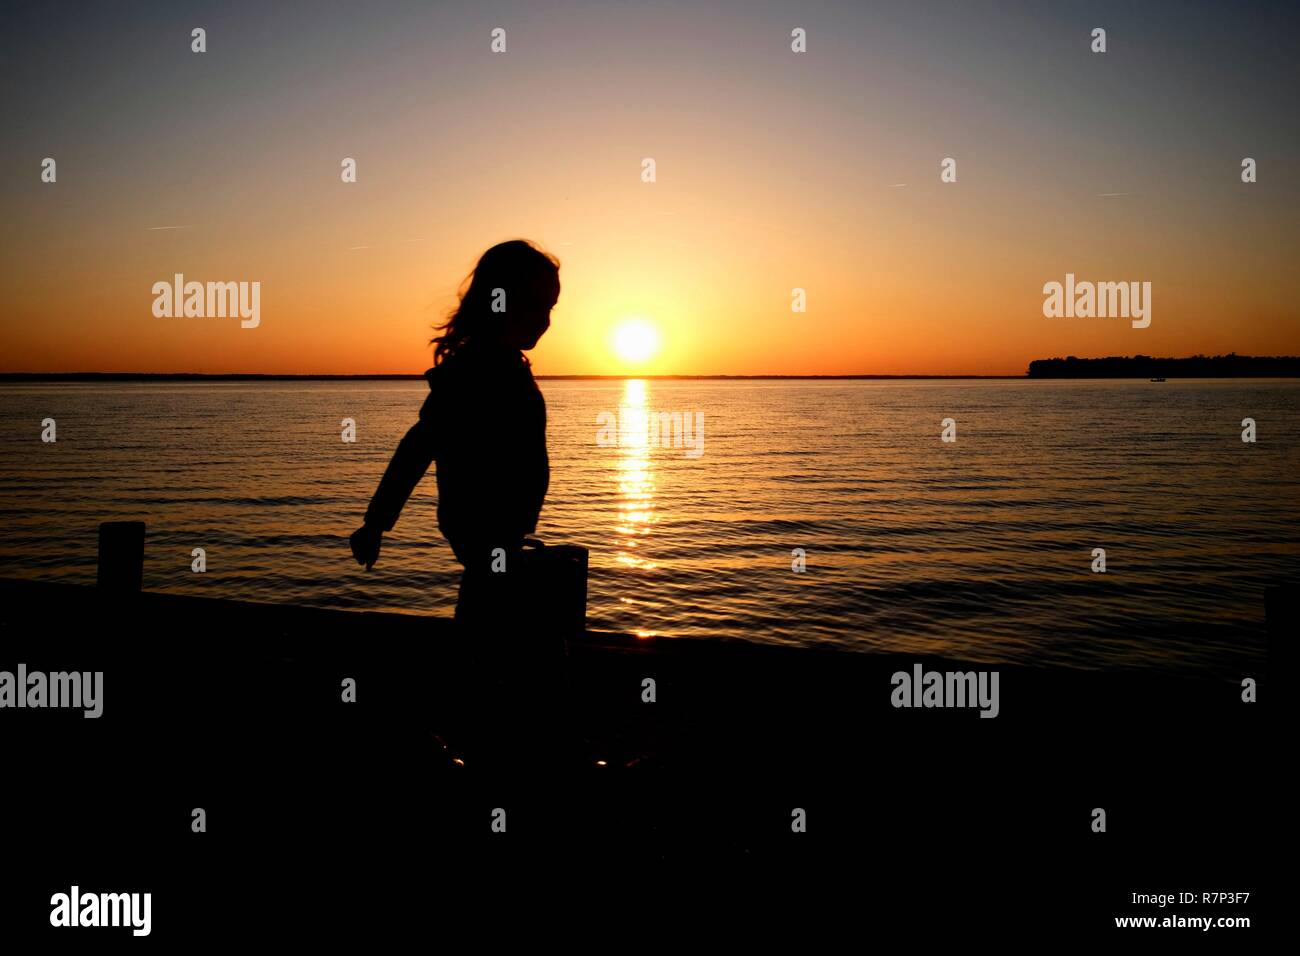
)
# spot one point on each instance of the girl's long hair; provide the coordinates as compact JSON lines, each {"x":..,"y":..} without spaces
{"x":513,"y":264}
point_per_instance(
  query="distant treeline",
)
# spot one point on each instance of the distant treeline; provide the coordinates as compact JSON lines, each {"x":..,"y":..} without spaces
{"x":1231,"y":365}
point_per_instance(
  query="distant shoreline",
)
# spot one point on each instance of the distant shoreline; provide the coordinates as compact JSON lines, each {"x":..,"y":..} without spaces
{"x":1231,"y":365}
{"x":1111,"y":367}
{"x":162,"y":377}
{"x":413,"y":377}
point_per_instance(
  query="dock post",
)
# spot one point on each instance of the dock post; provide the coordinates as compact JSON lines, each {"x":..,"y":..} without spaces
{"x":121,"y":555}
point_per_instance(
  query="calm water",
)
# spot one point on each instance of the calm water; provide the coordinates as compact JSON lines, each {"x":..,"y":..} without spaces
{"x":980,"y":548}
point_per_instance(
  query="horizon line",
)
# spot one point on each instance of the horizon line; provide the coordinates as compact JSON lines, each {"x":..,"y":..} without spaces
{"x":415,"y":376}
{"x":1141,"y":364}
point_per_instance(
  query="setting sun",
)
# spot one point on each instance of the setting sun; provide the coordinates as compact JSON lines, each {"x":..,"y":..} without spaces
{"x":636,"y":340}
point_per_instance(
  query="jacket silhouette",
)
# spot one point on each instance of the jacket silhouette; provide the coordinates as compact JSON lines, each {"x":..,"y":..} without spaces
{"x":484,"y":423}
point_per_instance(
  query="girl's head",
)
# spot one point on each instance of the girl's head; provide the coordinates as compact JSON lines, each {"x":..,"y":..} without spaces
{"x":506,"y":300}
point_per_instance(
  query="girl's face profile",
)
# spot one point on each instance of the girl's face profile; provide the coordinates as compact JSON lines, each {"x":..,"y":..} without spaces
{"x":528,"y":315}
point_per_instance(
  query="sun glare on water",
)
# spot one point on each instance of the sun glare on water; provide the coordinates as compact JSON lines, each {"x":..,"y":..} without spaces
{"x":635,"y":341}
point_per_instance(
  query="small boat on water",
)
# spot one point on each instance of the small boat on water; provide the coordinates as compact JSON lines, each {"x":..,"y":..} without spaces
{"x":1157,"y":380}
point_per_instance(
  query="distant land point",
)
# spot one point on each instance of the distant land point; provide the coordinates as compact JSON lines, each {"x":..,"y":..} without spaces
{"x":1231,"y":365}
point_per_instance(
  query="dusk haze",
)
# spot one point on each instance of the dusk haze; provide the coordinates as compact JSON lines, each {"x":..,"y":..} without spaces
{"x":774,"y":171}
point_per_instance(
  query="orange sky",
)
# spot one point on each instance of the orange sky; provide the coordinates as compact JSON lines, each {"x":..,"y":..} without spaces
{"x":775,"y":171}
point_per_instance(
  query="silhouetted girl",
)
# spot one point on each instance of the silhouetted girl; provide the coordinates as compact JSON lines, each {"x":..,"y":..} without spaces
{"x":484,"y":423}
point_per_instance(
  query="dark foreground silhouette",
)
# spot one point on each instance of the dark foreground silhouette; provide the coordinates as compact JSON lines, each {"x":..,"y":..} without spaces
{"x":484,"y":424}
{"x":323,"y":811}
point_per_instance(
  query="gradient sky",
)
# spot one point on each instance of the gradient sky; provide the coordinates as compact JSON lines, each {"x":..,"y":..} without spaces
{"x":775,"y":170}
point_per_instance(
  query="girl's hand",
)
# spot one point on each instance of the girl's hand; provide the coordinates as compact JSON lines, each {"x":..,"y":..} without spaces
{"x":365,"y":544}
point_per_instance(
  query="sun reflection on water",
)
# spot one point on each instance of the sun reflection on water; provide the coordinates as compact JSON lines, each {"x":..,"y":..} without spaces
{"x":635,"y":477}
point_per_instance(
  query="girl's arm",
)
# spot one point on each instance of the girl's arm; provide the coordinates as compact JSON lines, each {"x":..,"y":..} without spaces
{"x":415,"y":452}
{"x":414,"y":455}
